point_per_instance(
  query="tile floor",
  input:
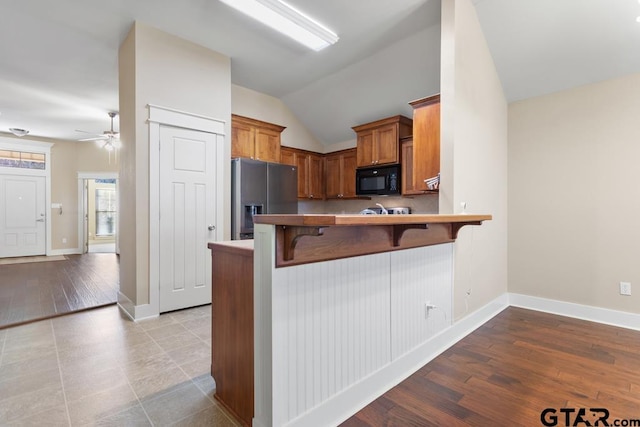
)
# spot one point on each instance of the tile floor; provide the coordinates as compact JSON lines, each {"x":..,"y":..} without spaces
{"x":100,"y":368}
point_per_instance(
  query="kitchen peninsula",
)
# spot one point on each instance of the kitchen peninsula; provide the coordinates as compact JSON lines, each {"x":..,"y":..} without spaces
{"x":341,"y":305}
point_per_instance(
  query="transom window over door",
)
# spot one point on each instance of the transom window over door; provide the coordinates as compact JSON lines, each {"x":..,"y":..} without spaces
{"x":22,"y":159}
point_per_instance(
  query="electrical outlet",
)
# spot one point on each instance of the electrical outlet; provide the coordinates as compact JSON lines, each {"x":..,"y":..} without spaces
{"x":428,"y":307}
{"x":64,"y":240}
{"x":625,"y":288}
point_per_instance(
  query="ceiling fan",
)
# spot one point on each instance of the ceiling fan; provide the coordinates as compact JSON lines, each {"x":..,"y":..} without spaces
{"x":110,"y":137}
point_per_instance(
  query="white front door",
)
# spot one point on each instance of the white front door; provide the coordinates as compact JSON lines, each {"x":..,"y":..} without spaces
{"x":187,"y":211}
{"x":22,"y":216}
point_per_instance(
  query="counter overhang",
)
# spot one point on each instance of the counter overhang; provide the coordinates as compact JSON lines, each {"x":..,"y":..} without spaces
{"x":307,"y":238}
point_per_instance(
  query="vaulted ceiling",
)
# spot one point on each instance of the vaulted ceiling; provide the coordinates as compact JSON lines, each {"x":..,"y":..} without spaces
{"x":58,"y":68}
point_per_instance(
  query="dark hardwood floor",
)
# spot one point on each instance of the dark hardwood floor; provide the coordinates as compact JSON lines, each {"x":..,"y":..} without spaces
{"x":44,"y":289}
{"x":508,"y":371}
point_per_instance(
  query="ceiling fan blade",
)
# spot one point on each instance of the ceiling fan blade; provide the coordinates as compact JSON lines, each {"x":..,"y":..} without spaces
{"x":97,"y":138}
{"x":108,"y":136}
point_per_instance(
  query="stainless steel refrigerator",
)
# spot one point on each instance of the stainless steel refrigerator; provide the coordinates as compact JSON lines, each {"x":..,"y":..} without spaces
{"x":260,"y":188}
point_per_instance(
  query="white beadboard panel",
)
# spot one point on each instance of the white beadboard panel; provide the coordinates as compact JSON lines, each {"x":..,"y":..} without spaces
{"x":264,"y":380}
{"x":331,"y":329}
{"x":419,"y":276}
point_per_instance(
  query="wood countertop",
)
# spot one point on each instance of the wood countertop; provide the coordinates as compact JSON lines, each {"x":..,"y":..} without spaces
{"x":306,"y":238}
{"x":240,"y":244}
{"x":328,"y":220}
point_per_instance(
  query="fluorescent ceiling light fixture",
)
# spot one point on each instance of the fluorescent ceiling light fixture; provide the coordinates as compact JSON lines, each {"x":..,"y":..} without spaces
{"x":289,"y":21}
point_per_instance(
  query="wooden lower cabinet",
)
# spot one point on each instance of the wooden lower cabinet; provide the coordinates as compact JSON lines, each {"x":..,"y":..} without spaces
{"x":232,"y":326}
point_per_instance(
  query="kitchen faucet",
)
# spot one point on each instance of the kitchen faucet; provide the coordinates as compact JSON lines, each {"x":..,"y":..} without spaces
{"x":383,"y":211}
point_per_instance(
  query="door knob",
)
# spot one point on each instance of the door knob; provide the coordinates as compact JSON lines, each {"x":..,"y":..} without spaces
{"x":211,"y":227}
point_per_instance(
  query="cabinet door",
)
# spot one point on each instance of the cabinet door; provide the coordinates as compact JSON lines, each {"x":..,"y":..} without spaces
{"x":288,"y":157}
{"x":333,"y":165}
{"x":408,"y":187}
{"x":303,"y":175}
{"x":316,"y":177}
{"x":242,"y":141}
{"x":267,"y":145}
{"x":386,"y":144}
{"x":365,"y":149}
{"x":426,"y":140}
{"x":349,"y":174}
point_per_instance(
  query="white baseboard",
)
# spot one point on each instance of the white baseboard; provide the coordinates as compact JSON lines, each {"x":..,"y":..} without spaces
{"x":585,"y":312}
{"x":136,"y":312}
{"x":343,"y":405}
{"x":127,"y":305}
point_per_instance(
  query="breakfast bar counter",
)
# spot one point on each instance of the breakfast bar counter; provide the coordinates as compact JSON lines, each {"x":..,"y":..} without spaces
{"x":327,"y":220}
{"x":342,"y":308}
{"x":302,"y":239}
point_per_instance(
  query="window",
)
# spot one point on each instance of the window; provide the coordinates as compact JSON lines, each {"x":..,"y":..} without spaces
{"x":21,"y":159}
{"x":105,"y":212}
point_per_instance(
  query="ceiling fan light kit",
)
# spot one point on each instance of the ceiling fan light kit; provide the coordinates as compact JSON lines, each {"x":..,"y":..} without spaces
{"x":109,"y":140}
{"x":18,"y":131}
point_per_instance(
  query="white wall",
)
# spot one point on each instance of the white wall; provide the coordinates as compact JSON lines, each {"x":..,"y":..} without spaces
{"x":386,"y":71}
{"x":161,"y":69}
{"x":473,"y":156}
{"x":257,"y":105}
{"x":574,"y":194}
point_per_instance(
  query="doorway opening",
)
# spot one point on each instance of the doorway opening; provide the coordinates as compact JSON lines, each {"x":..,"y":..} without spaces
{"x":100,"y":215}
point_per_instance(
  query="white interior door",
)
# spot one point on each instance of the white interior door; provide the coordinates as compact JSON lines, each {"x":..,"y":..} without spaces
{"x":22,"y":215}
{"x":187,"y":216}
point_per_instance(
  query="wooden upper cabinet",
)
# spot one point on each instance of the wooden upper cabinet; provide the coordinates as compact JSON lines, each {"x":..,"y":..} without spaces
{"x":310,"y":171}
{"x":340,"y":170}
{"x":267,"y":146}
{"x":316,"y":176}
{"x":255,"y":139}
{"x":378,"y":142}
{"x":333,"y":170}
{"x":365,"y":155}
{"x":242,"y":140}
{"x":406,"y":148}
{"x":288,"y":156}
{"x":426,"y":141}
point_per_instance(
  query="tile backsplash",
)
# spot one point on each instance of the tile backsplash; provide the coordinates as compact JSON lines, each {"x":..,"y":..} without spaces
{"x":425,"y":204}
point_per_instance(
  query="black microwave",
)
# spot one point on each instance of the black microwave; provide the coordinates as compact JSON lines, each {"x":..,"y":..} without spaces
{"x":379,"y":180}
